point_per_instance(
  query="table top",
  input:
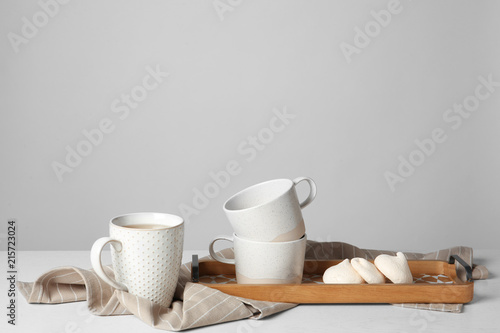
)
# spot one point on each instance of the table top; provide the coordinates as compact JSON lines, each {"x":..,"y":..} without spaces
{"x":479,"y":315}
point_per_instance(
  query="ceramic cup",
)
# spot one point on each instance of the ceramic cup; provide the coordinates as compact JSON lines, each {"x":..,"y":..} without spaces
{"x":265,"y":262}
{"x":146,"y":251}
{"x":269,"y":211}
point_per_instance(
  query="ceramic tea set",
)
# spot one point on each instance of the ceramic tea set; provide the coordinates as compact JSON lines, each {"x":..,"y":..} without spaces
{"x":269,"y":246}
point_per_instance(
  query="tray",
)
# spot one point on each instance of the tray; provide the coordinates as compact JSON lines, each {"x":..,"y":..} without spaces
{"x":434,"y":282}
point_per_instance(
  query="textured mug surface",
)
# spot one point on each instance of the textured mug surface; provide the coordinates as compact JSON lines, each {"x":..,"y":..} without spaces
{"x":146,"y":260}
{"x":265,"y":262}
{"x":269,"y":211}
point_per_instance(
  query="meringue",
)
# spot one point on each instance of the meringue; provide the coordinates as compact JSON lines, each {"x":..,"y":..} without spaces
{"x":367,"y":270}
{"x":342,"y":273}
{"x":395,"y":268}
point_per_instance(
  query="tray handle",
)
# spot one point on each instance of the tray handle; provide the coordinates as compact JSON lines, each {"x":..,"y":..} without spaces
{"x":468,"y":269}
{"x":195,"y":269}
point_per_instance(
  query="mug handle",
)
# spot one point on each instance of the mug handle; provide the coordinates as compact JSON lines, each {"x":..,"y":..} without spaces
{"x":95,"y":259}
{"x":216,"y":256}
{"x":312,"y":194}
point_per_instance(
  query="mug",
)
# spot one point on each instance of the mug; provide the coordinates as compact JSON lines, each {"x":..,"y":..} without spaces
{"x":269,"y":211}
{"x":265,"y":262}
{"x":146,"y":251}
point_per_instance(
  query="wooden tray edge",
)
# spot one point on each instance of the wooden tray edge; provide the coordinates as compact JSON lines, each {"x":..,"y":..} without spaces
{"x":458,"y":292}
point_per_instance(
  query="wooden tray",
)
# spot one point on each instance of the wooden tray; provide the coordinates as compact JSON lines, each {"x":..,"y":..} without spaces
{"x":434,"y":282}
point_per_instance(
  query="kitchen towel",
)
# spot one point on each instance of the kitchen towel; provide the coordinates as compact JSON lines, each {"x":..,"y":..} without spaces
{"x":196,"y":305}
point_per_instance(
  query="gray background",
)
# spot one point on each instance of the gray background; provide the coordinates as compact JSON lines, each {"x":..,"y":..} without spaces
{"x":352,"y":120}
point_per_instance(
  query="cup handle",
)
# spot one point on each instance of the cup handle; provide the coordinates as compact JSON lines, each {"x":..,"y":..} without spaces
{"x":216,"y":256}
{"x":95,"y":259}
{"x":312,"y":194}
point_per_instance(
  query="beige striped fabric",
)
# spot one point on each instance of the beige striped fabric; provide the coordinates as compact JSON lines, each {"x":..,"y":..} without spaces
{"x":196,"y":305}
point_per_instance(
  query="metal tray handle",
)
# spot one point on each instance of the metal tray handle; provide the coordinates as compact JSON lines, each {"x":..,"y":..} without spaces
{"x":195,"y":269}
{"x":468,"y":269}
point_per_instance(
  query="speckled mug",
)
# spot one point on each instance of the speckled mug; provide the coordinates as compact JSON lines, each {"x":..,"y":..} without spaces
{"x":146,"y":262}
{"x":265,"y":262}
{"x":269,"y":211}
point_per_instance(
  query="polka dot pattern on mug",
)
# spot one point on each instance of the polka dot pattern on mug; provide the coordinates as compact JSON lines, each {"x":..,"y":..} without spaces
{"x":149,"y":261}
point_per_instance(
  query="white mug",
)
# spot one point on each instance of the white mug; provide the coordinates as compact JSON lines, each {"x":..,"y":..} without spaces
{"x":269,"y":211}
{"x":265,"y":262}
{"x":146,"y":250}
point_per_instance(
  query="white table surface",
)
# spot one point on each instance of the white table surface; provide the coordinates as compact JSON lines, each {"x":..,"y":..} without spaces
{"x":481,"y":315}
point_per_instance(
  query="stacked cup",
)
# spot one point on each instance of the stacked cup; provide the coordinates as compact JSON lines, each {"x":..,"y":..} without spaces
{"x":269,"y":232}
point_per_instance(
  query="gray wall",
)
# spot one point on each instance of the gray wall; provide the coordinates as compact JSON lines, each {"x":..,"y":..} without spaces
{"x":356,"y":106}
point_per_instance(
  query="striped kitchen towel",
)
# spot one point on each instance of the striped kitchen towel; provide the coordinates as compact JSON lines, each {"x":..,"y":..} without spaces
{"x":196,"y":305}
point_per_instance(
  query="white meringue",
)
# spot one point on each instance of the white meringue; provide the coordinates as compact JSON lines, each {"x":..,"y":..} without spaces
{"x":367,"y":270}
{"x":342,"y":273}
{"x":395,"y":268}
